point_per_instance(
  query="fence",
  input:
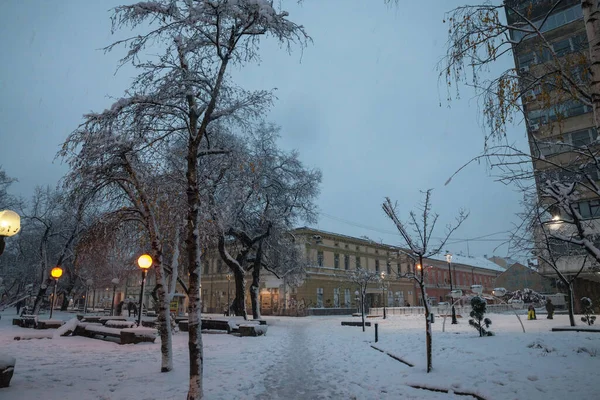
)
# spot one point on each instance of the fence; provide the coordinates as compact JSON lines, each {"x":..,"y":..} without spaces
{"x":438,"y":310}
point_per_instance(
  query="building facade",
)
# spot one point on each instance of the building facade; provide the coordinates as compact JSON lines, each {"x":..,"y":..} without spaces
{"x":326,"y":289}
{"x":557,"y":123}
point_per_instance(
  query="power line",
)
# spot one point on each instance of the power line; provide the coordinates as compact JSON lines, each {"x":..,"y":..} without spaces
{"x":481,"y":238}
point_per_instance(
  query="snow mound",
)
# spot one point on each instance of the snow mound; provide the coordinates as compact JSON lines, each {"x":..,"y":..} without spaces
{"x":7,"y":361}
{"x":70,"y":325}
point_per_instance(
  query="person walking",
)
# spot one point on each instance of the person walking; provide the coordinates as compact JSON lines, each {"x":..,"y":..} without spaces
{"x":550,"y":309}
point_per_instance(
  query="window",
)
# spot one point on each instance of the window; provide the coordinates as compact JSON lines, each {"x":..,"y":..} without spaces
{"x":589,"y":208}
{"x":376,"y":265}
{"x":346,"y":261}
{"x":389,"y":268}
{"x":347,"y":299}
{"x":357,"y":262}
{"x":399,"y":269}
{"x":320,"y":297}
{"x":554,"y":21}
{"x":357,"y":248}
{"x":336,"y":297}
{"x":206,"y":267}
{"x":336,"y":260}
{"x":526,"y":60}
{"x":336,"y":244}
{"x":320,"y":258}
{"x":562,"y":47}
{"x":346,"y":246}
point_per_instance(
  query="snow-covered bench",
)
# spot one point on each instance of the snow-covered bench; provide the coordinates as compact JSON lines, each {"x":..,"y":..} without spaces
{"x":49,"y":324}
{"x":124,"y":336}
{"x":26,"y":321}
{"x":119,"y":324}
{"x":252,"y":329}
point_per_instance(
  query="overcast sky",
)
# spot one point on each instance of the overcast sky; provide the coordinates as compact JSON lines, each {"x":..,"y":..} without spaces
{"x":361,"y":103}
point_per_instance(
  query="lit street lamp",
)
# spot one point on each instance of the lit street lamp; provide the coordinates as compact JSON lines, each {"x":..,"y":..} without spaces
{"x":383,"y":293}
{"x":228,"y":299}
{"x":10,"y":225}
{"x":56,"y":273}
{"x":144,"y":262}
{"x":449,"y":261}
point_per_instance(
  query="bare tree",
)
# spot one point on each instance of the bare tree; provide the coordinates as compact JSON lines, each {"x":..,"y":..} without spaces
{"x":185,"y":89}
{"x":418,"y":243}
{"x":363,"y":278}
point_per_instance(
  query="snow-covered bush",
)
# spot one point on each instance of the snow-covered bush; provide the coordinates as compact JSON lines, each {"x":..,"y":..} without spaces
{"x":478,"y":321}
{"x":588,"y":311}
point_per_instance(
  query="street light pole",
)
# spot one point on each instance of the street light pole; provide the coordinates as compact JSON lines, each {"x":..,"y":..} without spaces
{"x":55,"y":273}
{"x":144,"y":262}
{"x":449,"y":260}
{"x":115,"y":282}
{"x":383,"y":293}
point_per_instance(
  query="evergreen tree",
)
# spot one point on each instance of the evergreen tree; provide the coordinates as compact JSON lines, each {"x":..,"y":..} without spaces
{"x":588,"y":311}
{"x":478,"y":321}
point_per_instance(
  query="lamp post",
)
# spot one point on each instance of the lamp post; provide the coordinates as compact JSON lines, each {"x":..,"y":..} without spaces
{"x":383,"y":293}
{"x":228,"y":299}
{"x":115,"y":282}
{"x":10,"y":225}
{"x":56,"y":273}
{"x":449,"y":261}
{"x":144,"y":262}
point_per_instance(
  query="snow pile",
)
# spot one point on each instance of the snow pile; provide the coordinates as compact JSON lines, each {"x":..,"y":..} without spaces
{"x":143,"y":332}
{"x":67,"y":327}
{"x":7,"y":361}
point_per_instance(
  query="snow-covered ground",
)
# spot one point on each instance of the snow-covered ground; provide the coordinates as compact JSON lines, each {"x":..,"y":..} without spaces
{"x":317,"y":358}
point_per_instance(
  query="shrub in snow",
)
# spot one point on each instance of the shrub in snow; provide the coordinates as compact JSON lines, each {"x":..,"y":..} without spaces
{"x":588,"y":311}
{"x":477,"y":314}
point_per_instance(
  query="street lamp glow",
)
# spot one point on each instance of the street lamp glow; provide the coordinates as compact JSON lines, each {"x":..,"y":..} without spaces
{"x":10,"y":223}
{"x":145,"y":261}
{"x":556,"y":218}
{"x":448,"y":257}
{"x":56,"y":272}
{"x":419,"y":267}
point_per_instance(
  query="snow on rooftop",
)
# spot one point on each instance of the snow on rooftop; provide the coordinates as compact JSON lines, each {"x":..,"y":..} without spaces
{"x":478,"y":262}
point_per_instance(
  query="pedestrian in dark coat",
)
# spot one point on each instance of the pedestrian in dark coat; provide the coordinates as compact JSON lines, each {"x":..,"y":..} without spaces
{"x":550,"y":309}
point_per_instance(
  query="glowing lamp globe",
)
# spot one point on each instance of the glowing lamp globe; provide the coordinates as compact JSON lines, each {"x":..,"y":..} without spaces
{"x":56,"y":272}
{"x":10,"y":223}
{"x":145,"y":261}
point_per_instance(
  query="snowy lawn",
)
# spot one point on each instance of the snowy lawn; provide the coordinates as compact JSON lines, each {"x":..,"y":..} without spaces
{"x":315,"y":357}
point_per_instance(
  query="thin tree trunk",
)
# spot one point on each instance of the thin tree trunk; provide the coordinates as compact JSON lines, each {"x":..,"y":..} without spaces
{"x":591,"y":18}
{"x":362,"y":306}
{"x":164,"y":316}
{"x":570,"y":304}
{"x":40,"y":296}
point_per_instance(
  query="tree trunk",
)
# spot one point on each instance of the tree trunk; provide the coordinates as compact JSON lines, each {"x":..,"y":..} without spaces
{"x":254,"y":296}
{"x":428,"y":336}
{"x":591,"y":18}
{"x":239,"y":302}
{"x":194,"y":256}
{"x":570,"y":303}
{"x":255,"y":287}
{"x":164,"y":316}
{"x":40,"y":296}
{"x":362,"y":306}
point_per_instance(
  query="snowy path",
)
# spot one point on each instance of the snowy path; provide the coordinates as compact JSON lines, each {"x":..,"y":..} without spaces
{"x":295,"y":376}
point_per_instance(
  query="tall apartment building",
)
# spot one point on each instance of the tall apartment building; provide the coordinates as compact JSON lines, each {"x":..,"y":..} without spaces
{"x":556,"y":122}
